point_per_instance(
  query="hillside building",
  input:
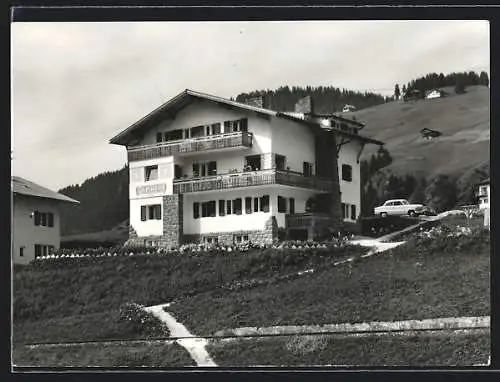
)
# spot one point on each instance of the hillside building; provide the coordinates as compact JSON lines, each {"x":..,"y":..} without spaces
{"x":35,"y":220}
{"x":207,"y":169}
{"x":434,"y":93}
{"x":484,"y":195}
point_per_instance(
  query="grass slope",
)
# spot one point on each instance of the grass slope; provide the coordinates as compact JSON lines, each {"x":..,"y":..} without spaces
{"x":403,"y":283}
{"x":422,"y":350}
{"x":154,"y":354}
{"x":464,"y":121}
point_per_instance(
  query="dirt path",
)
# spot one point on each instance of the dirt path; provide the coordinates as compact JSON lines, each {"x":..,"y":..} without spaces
{"x":194,"y":345}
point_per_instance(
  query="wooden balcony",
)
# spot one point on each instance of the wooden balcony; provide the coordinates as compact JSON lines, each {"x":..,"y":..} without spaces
{"x":306,"y":220}
{"x":251,"y":178}
{"x":241,"y":139}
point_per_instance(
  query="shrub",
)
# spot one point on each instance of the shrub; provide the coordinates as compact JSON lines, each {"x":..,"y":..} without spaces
{"x":303,"y":344}
{"x":142,"y":321}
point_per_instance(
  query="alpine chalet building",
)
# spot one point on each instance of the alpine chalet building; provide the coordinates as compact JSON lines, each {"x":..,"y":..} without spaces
{"x":208,"y":169}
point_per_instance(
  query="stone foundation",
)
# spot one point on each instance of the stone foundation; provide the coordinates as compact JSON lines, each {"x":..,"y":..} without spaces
{"x":267,"y":235}
{"x":173,"y":224}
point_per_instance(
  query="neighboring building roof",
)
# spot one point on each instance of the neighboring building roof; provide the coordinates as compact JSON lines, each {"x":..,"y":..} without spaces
{"x":22,"y":186}
{"x":183,"y":99}
{"x":484,"y":182}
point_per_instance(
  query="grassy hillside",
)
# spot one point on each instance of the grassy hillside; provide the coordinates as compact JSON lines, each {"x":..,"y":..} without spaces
{"x":463,"y":120}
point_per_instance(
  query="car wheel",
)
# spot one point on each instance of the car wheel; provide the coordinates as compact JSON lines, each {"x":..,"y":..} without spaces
{"x":412,"y":213}
{"x":383,"y":214}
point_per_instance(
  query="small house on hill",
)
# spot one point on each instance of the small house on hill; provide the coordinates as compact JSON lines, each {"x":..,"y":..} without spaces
{"x":434,"y":93}
{"x":484,"y":195}
{"x":429,"y":134}
{"x":348,"y":108}
{"x":35,"y":220}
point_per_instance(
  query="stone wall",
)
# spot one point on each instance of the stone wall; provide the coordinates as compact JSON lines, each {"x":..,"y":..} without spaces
{"x":267,"y":235}
{"x":173,"y":220}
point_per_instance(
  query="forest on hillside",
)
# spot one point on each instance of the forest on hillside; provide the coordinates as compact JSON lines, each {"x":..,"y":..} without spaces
{"x":104,"y":203}
{"x":326,"y":99}
{"x":458,"y":80}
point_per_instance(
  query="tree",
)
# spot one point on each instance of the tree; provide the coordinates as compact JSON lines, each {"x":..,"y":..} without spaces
{"x":404,"y":90}
{"x":460,"y":86}
{"x":397,"y":92}
{"x":484,"y":79}
{"x":441,"y":194}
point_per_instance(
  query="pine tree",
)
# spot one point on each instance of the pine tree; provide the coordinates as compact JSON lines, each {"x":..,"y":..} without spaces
{"x":484,"y":79}
{"x":397,"y":92}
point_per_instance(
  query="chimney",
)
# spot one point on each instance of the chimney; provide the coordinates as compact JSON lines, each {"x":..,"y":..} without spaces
{"x":257,"y":101}
{"x":304,"y":105}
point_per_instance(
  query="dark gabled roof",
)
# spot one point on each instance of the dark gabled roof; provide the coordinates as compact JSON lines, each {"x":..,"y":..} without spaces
{"x":21,"y":186}
{"x":183,"y":99}
{"x":484,"y":182}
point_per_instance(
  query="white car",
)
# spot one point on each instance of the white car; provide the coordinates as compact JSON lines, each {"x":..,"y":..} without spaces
{"x":398,"y":207}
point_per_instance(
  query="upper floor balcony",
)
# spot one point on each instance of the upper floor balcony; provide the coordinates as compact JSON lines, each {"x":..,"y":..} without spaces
{"x":252,"y":178}
{"x":191,"y":146}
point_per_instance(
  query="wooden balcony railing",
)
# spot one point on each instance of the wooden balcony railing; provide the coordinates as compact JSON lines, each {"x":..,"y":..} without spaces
{"x":193,"y":145}
{"x":306,"y":220}
{"x":251,"y":178}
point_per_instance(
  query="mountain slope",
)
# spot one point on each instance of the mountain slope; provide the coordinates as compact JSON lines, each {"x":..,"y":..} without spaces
{"x":463,"y":120}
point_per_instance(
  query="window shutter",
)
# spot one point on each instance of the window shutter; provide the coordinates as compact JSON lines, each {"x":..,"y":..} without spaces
{"x":37,"y":218}
{"x":196,"y":210}
{"x":229,"y":205}
{"x":248,"y":205}
{"x":143,"y":213}
{"x":159,"y":137}
{"x":51,"y":219}
{"x":264,"y":203}
{"x":222,"y":207}
{"x":292,"y":205}
{"x":227,"y":126}
{"x":158,"y":212}
{"x":353,"y":211}
{"x":343,"y":210}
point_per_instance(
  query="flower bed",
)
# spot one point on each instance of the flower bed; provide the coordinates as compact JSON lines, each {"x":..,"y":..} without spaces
{"x":70,"y":254}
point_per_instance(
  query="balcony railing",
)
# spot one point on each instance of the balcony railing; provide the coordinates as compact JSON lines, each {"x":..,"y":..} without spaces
{"x":306,"y":220}
{"x":192,"y":145}
{"x":251,"y":178}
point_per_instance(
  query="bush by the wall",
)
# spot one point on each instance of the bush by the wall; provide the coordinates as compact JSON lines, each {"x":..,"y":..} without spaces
{"x":142,"y":321}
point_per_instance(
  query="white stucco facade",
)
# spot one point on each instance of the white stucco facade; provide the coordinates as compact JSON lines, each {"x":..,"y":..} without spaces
{"x":25,"y":234}
{"x":283,"y":146}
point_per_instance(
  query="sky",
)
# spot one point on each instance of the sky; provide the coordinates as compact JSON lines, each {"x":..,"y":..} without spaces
{"x":76,"y":85}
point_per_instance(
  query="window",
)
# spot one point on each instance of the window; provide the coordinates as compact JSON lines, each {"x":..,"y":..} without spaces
{"x":280,"y":162}
{"x":21,"y":251}
{"x":248,"y":205}
{"x":222,"y":207}
{"x":237,"y":206}
{"x":51,"y":249}
{"x":151,"y":212}
{"x":154,"y":212}
{"x":211,"y":239}
{"x":204,"y":169}
{"x":196,"y":210}
{"x":151,"y":173}
{"x":216,"y":128}
{"x":307,"y":169}
{"x":38,"y":250}
{"x":208,"y":209}
{"x":255,"y":204}
{"x":353,"y":211}
{"x":227,"y":126}
{"x":197,"y":131}
{"x":158,"y":137}
{"x":45,"y":250}
{"x":281,"y":204}
{"x":228,"y":207}
{"x":292,"y":205}
{"x":50,"y":219}
{"x":177,"y":171}
{"x":343,"y":210}
{"x":264,"y":203}
{"x":347,"y":172}
{"x":45,"y":219}
{"x":253,"y":162}
{"x":174,"y":135}
{"x":240,"y":238}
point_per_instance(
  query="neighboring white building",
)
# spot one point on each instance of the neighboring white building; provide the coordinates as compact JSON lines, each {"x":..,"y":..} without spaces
{"x":485,"y":200}
{"x":35,"y":220}
{"x":204,"y":168}
{"x":348,"y":108}
{"x":434,"y":93}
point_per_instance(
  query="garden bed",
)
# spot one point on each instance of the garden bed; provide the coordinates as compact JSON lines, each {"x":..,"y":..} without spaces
{"x":449,"y":349}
